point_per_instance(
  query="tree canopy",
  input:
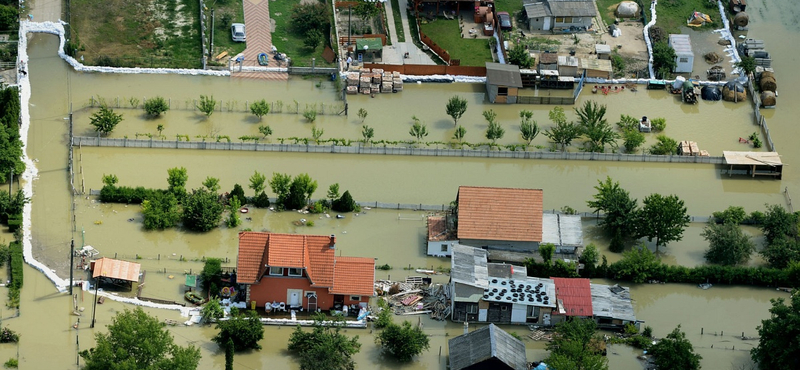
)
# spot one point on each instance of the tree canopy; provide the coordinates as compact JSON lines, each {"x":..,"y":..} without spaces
{"x":403,"y":341}
{"x":675,"y":352}
{"x":105,"y":120}
{"x":620,"y":212}
{"x":243,"y":328}
{"x":324,"y":347}
{"x":595,"y":127}
{"x":156,"y":106}
{"x":455,"y":108}
{"x":136,"y":340}
{"x":519,"y":55}
{"x":160,"y":211}
{"x":201,"y":210}
{"x":779,"y":336}
{"x":574,"y":346}
{"x":727,"y":244}
{"x":662,"y":218}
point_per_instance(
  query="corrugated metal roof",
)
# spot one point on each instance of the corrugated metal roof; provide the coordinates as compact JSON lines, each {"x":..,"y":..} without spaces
{"x":681,"y":43}
{"x":536,"y":9}
{"x":116,"y":269}
{"x":567,"y":60}
{"x":572,"y":8}
{"x":503,"y":75}
{"x":576,"y":295}
{"x":550,"y":232}
{"x":570,"y":229}
{"x":602,"y":48}
{"x":612,"y":302}
{"x":499,"y":214}
{"x":484,"y":344}
{"x":469,"y":266}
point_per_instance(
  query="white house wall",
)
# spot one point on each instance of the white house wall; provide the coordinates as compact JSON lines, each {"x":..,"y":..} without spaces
{"x":518,"y":312}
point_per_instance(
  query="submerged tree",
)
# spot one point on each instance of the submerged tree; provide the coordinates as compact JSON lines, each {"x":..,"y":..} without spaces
{"x":574,"y":346}
{"x":201,"y":210}
{"x":418,"y":130}
{"x":105,"y":120}
{"x":243,"y":328}
{"x":620,"y":212}
{"x":207,"y":104}
{"x":156,"y":106}
{"x":367,"y":133}
{"x":259,"y":108}
{"x":675,"y":352}
{"x":403,"y":341}
{"x":528,"y":128}
{"x":325,"y":347}
{"x":778,"y":346}
{"x":727,"y":244}
{"x":595,"y":127}
{"x":455,"y":108}
{"x":663,"y":218}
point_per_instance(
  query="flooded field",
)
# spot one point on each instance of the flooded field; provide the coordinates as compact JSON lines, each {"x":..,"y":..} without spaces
{"x":393,"y":237}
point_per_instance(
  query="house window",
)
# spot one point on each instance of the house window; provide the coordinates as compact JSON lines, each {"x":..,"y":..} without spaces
{"x":472,"y":309}
{"x":444,"y":247}
{"x":276,"y":271}
{"x":559,"y":19}
{"x":684,"y":60}
{"x":502,"y":91}
{"x":576,"y":20}
{"x":355,"y":298}
{"x":295,"y":272}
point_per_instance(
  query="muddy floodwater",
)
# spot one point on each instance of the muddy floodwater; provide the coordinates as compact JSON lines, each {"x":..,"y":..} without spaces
{"x":393,"y":237}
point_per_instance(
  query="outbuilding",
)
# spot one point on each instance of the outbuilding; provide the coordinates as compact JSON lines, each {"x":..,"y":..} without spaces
{"x":488,"y":348}
{"x":684,"y":57}
{"x":502,"y":82}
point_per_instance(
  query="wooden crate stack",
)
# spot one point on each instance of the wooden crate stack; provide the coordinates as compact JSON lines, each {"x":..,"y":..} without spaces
{"x":690,"y":148}
{"x":374,"y":81}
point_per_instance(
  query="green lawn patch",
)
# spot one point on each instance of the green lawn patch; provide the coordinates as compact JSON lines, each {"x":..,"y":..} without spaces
{"x":672,"y":14}
{"x":445,"y":33}
{"x":510,"y":6}
{"x":289,"y":42}
{"x":606,"y":8}
{"x":398,"y":21}
{"x":226,"y":14}
{"x":161,"y":33}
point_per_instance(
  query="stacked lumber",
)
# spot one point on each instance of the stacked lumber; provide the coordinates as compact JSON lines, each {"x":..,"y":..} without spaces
{"x":689,"y":148}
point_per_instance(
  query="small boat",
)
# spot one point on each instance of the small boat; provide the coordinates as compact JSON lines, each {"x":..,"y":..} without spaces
{"x":244,"y":210}
{"x":339,"y":216}
{"x":363,"y":314}
{"x":263,"y":59}
{"x":193,"y":297}
{"x":704,"y":286}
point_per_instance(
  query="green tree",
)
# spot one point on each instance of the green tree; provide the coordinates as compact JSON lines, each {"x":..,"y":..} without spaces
{"x":362,"y":114}
{"x":233,"y":215}
{"x":632,"y":139}
{"x":176,"y":178}
{"x":459,"y":134}
{"x":659,"y":124}
{"x":455,"y":108}
{"x":212,"y":310}
{"x":367,"y":9}
{"x":201,"y":210}
{"x":333,"y":192}
{"x":665,"y":146}
{"x":780,"y":252}
{"x":575,"y":346}
{"x":385,"y":314}
{"x":636,"y":265}
{"x":310,"y":115}
{"x":312,"y":39}
{"x":663,"y":59}
{"x":308,"y":16}
{"x":136,"y":340}
{"x":403,"y":341}
{"x":494,"y":131}
{"x":345,"y":203}
{"x":316,"y":133}
{"x":156,"y":106}
{"x":258,"y":182}
{"x":160,"y":211}
{"x":243,"y":328}
{"x":546,"y":251}
{"x":519,"y":55}
{"x":727,"y":244}
{"x":260,"y":108}
{"x":527,"y":126}
{"x":280,"y":185}
{"x":207,"y":104}
{"x":324,"y":347}
{"x":589,"y":259}
{"x":229,"y":353}
{"x":747,"y":64}
{"x":595,"y":127}
{"x":563,"y":134}
{"x":367,"y":133}
{"x":418,"y":130}
{"x":557,"y":115}
{"x":732,"y":214}
{"x":675,"y":352}
{"x":105,"y":120}
{"x":211,"y":183}
{"x":265,"y":130}
{"x":305,"y":185}
{"x":238,"y":192}
{"x":620,"y":212}
{"x":11,"y":153}
{"x":110,"y":180}
{"x":160,"y":128}
{"x":778,"y":346}
{"x":663,"y":218}
{"x":778,"y":224}
{"x":9,"y":17}
{"x":211,"y":275}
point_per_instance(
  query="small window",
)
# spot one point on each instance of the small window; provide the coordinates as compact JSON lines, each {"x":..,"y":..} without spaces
{"x":567,"y":19}
{"x":355,"y":298}
{"x":444,"y":247}
{"x":276,"y":271}
{"x":559,"y":19}
{"x":576,"y":20}
{"x":502,"y":91}
{"x":684,"y":60}
{"x":295,"y":272}
{"x":472,"y":309}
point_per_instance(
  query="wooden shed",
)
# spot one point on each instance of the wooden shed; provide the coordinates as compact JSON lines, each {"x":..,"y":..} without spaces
{"x":502,"y":83}
{"x":603,"y":51}
{"x":597,"y":68}
{"x":547,"y":62}
{"x":684,"y":57}
{"x":567,"y":65}
{"x":754,"y":163}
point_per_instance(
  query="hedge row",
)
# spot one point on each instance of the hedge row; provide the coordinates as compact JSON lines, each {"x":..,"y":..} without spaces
{"x":126,"y":194}
{"x":16,"y":274}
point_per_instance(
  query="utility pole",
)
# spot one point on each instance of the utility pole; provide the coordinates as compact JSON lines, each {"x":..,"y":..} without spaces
{"x":71,"y":262}
{"x":94,"y":307}
{"x":349,"y":23}
{"x":211,"y":49}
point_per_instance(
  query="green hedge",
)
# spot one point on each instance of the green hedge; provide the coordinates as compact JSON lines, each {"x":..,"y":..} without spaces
{"x":16,"y":265}
{"x":125,"y":194}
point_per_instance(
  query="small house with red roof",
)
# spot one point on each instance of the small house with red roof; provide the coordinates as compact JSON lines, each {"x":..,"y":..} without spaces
{"x":609,"y":306}
{"x":302,"y":271}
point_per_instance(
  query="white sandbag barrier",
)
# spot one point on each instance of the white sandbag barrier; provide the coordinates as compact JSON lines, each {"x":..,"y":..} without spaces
{"x":647,"y":38}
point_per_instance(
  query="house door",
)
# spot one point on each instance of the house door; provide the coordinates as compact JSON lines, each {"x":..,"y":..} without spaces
{"x":312,"y":302}
{"x":338,"y":302}
{"x":546,"y":25}
{"x":295,"y":298}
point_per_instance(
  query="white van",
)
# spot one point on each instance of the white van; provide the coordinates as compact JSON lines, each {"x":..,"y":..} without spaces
{"x":237,"y":32}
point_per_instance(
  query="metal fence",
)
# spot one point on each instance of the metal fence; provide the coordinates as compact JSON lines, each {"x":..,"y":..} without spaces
{"x":388,"y":150}
{"x":311,"y":70}
{"x":759,"y":119}
{"x":276,"y":107}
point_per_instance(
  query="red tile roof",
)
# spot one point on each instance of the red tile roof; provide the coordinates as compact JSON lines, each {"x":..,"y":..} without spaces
{"x":354,"y":276}
{"x":500,"y":214}
{"x":344,"y":275}
{"x":576,"y":294}
{"x":437,"y":229}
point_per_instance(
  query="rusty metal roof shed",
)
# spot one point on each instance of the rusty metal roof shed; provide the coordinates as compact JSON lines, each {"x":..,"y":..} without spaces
{"x":116,"y":269}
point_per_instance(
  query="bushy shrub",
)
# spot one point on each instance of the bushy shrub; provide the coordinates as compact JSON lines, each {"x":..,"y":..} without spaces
{"x":156,"y":106}
{"x":345,"y":203}
{"x":261,"y":200}
{"x":126,"y":194}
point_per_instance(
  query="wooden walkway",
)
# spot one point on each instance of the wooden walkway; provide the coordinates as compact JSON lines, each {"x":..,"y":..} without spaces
{"x":259,"y":40}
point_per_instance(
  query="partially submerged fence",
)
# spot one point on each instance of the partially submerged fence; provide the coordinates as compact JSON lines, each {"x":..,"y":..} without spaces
{"x":276,"y":107}
{"x":387,"y":150}
{"x":427,"y":70}
{"x":759,"y":119}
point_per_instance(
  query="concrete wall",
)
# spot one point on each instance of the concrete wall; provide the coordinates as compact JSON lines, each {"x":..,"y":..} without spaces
{"x":536,"y":24}
{"x":502,"y":245}
{"x":435,"y":248}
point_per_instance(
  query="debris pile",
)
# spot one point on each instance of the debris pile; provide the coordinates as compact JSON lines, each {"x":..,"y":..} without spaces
{"x":375,"y":81}
{"x":415,"y":297}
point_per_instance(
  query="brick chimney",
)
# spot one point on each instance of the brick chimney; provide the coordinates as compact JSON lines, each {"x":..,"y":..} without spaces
{"x":333,"y":241}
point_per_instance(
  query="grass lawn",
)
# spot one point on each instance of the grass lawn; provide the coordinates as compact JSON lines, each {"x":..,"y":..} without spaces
{"x":672,"y":14}
{"x":164,"y":33}
{"x":510,"y":6}
{"x":607,"y":9}
{"x":398,"y":22}
{"x":445,"y":33}
{"x":226,"y":14}
{"x":290,"y":42}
